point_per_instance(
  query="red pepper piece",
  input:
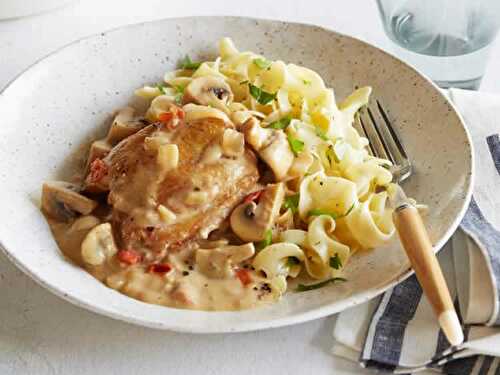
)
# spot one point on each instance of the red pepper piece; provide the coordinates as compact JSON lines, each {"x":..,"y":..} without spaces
{"x":178,"y":112}
{"x":165,"y":117}
{"x":98,"y":170}
{"x":129,"y":256}
{"x":252,"y":197}
{"x":244,"y":276}
{"x":161,"y":268}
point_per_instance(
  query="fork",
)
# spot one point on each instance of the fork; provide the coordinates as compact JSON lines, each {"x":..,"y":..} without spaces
{"x":385,"y":143}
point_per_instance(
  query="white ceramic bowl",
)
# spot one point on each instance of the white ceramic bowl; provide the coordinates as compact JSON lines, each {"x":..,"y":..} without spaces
{"x":61,"y":103}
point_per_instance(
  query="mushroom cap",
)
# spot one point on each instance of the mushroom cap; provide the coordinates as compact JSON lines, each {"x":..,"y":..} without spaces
{"x":209,"y":90}
{"x":124,"y":125}
{"x":250,"y":221}
{"x":271,"y":145}
{"x":62,"y":200}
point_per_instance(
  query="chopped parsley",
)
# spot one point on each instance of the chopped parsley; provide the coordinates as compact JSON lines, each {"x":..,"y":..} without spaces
{"x":335,"y":262}
{"x":306,"y":82}
{"x":161,"y":87}
{"x":333,"y":215}
{"x":180,"y":88}
{"x":292,"y":203}
{"x":319,"y":212}
{"x":296,"y":145}
{"x":331,"y":155}
{"x":320,"y":133}
{"x":282,"y":123}
{"x":268,"y":240}
{"x":244,"y":82}
{"x":262,"y":63}
{"x":292,"y":261}
{"x":262,"y":97}
{"x":189,"y":64}
{"x":349,"y":210}
{"x":385,"y":165}
{"x":304,"y":288}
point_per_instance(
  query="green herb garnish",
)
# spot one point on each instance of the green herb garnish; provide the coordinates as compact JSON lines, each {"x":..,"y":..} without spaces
{"x":333,"y":215}
{"x":263,"y":97}
{"x":306,"y":82}
{"x":320,"y":133}
{"x":282,"y":123}
{"x":179,"y":94}
{"x":244,"y":82}
{"x":304,"y":288}
{"x":335,"y":262}
{"x":180,"y":88}
{"x":292,"y":203}
{"x":262,"y":63}
{"x":292,"y":261}
{"x":385,"y":165}
{"x":296,"y":145}
{"x":349,"y":210}
{"x":161,"y":87}
{"x":268,"y":240}
{"x":187,"y":63}
{"x":319,"y":212}
{"x":331,"y":155}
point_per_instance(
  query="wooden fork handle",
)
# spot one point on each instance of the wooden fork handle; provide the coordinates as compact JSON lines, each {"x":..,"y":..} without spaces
{"x":418,"y":247}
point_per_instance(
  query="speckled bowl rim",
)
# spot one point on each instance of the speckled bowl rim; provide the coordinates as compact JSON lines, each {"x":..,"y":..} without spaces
{"x":260,"y":325}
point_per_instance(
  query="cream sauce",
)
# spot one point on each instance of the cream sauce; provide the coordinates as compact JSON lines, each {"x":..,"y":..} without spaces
{"x":185,"y":286}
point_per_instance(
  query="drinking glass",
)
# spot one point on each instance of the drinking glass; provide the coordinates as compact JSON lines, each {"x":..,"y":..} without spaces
{"x":448,"y":40}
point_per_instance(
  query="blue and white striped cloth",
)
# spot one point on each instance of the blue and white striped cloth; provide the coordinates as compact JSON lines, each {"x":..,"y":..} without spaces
{"x":398,"y":332}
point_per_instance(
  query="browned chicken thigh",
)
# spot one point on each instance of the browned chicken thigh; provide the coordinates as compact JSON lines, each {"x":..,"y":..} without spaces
{"x":170,"y":187}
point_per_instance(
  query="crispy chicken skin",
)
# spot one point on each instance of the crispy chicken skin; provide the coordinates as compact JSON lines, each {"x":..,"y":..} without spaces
{"x":198,"y":193}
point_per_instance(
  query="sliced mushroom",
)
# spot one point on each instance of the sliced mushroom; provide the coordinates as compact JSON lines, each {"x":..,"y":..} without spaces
{"x":209,"y":90}
{"x":99,"y":245}
{"x":271,"y":145}
{"x":195,"y":112}
{"x":216,"y":263}
{"x":62,"y":200}
{"x":98,"y":150}
{"x":124,"y":125}
{"x":250,"y":221}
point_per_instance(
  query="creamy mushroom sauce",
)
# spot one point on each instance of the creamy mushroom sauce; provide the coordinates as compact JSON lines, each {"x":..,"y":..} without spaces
{"x":183,"y":287}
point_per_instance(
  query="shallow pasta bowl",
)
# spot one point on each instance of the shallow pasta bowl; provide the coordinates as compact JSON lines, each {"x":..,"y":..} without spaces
{"x":53,"y":110}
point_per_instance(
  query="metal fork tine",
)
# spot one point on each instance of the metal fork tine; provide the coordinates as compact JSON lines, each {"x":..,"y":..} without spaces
{"x":372,"y":135}
{"x":381,"y":137}
{"x":361,"y":130}
{"x":393,"y":132}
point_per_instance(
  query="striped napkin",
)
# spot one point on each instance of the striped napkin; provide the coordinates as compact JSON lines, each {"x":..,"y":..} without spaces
{"x":398,"y":332}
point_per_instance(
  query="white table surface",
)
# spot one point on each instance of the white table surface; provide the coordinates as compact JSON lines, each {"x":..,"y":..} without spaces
{"x":41,"y":334}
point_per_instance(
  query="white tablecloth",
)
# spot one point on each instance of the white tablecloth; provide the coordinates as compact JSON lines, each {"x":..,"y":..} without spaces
{"x":41,"y":334}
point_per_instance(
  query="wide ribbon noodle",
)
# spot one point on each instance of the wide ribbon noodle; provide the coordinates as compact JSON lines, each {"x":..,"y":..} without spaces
{"x":341,"y":190}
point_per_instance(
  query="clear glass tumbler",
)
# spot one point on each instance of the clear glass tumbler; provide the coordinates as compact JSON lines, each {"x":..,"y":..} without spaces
{"x":448,"y":40}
